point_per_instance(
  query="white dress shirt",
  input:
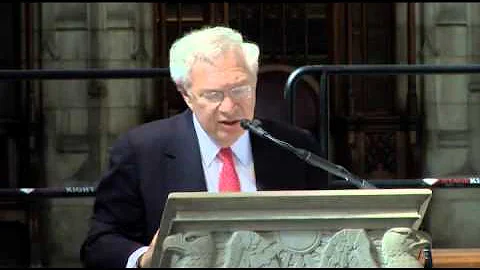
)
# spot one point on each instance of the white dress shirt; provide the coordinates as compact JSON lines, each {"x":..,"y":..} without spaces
{"x":242,"y":152}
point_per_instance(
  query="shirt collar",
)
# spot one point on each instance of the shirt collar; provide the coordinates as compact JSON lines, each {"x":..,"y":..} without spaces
{"x":209,"y":148}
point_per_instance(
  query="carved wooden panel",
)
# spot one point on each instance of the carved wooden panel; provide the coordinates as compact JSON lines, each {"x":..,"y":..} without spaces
{"x":371,"y":131}
{"x":14,"y":103}
{"x":289,"y":34}
{"x":172,"y":20}
{"x":384,"y":154}
{"x":372,"y":36}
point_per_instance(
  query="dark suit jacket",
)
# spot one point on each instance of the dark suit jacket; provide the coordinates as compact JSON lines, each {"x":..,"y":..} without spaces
{"x":149,"y":162}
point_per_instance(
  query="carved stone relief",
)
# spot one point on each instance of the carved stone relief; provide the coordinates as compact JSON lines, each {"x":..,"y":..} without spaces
{"x":396,"y":247}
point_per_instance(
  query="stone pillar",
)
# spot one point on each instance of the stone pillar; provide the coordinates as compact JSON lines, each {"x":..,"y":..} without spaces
{"x":474,"y":94}
{"x":446,"y":42}
{"x":83,"y":117}
{"x":452,"y":109}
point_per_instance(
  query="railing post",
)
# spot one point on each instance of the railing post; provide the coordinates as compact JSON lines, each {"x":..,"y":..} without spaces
{"x":324,"y":126}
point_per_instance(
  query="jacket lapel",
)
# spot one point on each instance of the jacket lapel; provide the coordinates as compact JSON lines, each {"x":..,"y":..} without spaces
{"x":264,"y":170}
{"x":184,"y":164}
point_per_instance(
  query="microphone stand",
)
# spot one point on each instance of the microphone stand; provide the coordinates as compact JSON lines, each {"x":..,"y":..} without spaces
{"x":308,"y":156}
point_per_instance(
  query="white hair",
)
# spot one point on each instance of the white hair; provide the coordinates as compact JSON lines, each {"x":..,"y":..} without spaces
{"x":205,"y":44}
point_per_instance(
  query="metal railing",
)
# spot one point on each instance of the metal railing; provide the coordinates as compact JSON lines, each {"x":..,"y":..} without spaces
{"x":72,"y":74}
{"x":48,"y":192}
{"x":289,"y":94}
{"x":323,"y":128}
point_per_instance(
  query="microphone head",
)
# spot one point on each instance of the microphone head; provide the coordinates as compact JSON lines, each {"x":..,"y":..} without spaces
{"x":244,"y":123}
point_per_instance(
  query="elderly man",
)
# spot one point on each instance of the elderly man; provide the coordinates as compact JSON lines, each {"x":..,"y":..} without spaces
{"x":201,"y":149}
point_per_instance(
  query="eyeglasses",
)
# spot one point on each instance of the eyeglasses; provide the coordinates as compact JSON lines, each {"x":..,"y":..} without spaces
{"x":238,"y":93}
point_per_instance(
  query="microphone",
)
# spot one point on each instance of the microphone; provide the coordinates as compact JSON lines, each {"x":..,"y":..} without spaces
{"x":307,"y":156}
{"x":253,"y":126}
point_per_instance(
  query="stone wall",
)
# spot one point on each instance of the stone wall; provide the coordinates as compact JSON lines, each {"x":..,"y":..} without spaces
{"x":83,"y":117}
{"x":449,"y":100}
{"x":450,"y":36}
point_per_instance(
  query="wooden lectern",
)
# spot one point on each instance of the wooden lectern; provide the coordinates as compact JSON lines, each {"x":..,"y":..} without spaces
{"x":325,"y":228}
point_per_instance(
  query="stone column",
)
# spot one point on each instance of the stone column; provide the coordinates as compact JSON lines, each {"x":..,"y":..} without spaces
{"x":446,"y":39}
{"x":83,"y":117}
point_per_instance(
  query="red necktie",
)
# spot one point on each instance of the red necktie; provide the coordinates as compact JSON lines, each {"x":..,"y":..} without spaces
{"x":228,"y":176}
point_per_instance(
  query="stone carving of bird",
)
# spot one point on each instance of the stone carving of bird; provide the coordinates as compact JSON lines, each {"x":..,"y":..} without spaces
{"x":400,"y":247}
{"x":352,"y":248}
{"x":190,"y":249}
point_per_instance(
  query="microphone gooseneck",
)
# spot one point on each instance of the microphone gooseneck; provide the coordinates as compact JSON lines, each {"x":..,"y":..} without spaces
{"x":307,"y":156}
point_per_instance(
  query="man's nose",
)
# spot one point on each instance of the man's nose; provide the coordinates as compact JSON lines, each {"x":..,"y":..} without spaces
{"x":227,"y":104}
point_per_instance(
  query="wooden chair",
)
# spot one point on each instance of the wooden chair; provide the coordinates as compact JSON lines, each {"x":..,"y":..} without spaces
{"x":271,"y":104}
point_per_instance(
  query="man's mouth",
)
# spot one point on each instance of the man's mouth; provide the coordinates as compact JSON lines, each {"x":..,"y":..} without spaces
{"x":230,"y":123}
